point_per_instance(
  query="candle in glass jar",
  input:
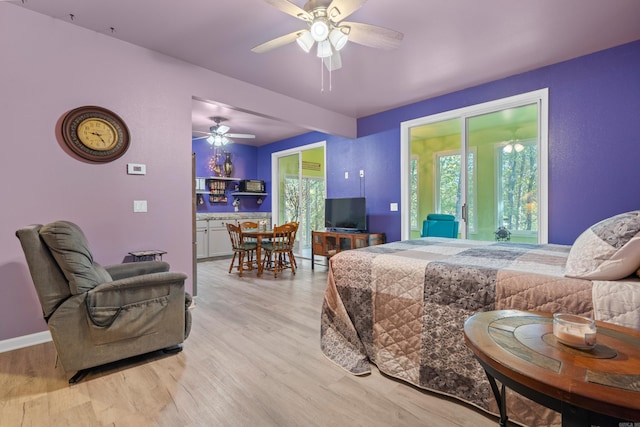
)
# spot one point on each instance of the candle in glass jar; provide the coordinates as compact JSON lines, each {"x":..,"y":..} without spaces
{"x":575,"y":331}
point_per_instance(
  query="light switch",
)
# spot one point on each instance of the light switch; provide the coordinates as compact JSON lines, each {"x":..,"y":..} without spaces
{"x":393,"y":207}
{"x":139,"y":205}
{"x":346,"y":175}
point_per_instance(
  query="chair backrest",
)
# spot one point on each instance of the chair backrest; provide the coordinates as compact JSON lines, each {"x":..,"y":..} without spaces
{"x":283,"y":237}
{"x":51,"y":285}
{"x":295,"y":233}
{"x":249,"y":225}
{"x":235,"y":234}
{"x":440,"y":225}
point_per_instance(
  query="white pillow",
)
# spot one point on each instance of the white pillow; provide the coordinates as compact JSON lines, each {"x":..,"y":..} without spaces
{"x":608,"y":250}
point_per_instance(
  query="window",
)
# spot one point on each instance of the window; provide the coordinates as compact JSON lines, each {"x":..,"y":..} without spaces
{"x":449,"y":185}
{"x":413,"y":176}
{"x":517,"y":208}
{"x":312,"y":197}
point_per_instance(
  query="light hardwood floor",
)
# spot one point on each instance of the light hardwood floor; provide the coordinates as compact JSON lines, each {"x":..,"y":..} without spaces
{"x":253,"y":359}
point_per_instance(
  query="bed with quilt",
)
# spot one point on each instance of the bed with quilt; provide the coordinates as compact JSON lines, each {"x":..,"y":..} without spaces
{"x":402,"y":305}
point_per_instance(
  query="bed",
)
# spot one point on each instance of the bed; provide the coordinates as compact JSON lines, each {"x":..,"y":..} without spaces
{"x":402,"y":305}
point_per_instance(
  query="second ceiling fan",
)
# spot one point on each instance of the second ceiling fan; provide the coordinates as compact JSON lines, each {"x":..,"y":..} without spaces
{"x":218,"y":134}
{"x":326,"y":27}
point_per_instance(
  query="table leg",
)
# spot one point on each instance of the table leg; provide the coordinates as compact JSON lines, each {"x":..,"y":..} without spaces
{"x":501,"y":399}
{"x":573,"y":416}
{"x":258,"y":256}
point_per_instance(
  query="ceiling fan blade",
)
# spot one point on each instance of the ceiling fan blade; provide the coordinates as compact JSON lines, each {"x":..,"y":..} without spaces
{"x":239,"y":135}
{"x":372,"y":35}
{"x":333,"y":62}
{"x":277,"y":42}
{"x":200,"y":137}
{"x":222,"y":129}
{"x":340,"y":9}
{"x":291,"y":9}
{"x":199,"y":131}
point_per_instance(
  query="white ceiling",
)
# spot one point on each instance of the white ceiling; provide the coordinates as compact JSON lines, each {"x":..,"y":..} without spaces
{"x":448,"y":45}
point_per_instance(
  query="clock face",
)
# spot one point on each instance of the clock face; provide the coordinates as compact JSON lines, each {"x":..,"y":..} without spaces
{"x":95,"y":134}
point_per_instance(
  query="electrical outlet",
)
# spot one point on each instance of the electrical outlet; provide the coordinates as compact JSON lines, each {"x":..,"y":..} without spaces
{"x":361,"y":173}
{"x":346,"y":175}
{"x":393,"y":207}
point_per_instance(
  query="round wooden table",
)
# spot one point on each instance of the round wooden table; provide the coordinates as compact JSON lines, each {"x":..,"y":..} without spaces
{"x":599,"y":386}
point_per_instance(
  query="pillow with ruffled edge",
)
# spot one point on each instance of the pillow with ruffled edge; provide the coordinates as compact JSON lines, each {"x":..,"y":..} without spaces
{"x":608,"y":250}
{"x":70,"y":248}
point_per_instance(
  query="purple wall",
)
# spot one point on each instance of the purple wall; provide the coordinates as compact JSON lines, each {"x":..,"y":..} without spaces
{"x":594,"y":142}
{"x":244,"y":160}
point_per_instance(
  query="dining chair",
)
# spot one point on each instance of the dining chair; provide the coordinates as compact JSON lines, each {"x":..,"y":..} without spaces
{"x":279,"y":251}
{"x":293,"y":242}
{"x":250,"y":225}
{"x":244,"y":251}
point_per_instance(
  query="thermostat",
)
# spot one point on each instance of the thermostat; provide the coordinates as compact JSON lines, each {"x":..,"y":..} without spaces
{"x":136,"y":169}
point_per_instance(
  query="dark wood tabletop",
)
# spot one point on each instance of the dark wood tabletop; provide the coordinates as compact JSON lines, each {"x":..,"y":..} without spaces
{"x":518,"y":348}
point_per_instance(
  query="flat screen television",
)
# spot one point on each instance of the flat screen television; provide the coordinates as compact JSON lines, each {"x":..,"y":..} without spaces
{"x":348,"y":213}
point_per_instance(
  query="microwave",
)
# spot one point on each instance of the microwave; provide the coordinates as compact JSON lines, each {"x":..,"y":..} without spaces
{"x":252,"y":186}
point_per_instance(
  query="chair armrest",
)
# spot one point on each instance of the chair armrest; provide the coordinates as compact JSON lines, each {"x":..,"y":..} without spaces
{"x":135,"y":289}
{"x":129,"y":269}
{"x":136,"y":301}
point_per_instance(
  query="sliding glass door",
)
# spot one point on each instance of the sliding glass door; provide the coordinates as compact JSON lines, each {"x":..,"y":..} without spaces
{"x":300,"y":191}
{"x":484,"y":164}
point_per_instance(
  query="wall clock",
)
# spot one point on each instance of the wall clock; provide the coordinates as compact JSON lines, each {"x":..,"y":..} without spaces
{"x":95,"y":133}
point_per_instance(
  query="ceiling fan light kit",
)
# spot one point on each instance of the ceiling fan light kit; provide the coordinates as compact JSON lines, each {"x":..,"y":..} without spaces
{"x":320,"y":29}
{"x":218,"y":136}
{"x":217,"y":140}
{"x":338,"y":38}
{"x":324,"y":49}
{"x":305,"y":41}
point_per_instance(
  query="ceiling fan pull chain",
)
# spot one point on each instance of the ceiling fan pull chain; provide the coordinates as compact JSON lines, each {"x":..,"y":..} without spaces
{"x":330,"y":69}
{"x":321,"y":76}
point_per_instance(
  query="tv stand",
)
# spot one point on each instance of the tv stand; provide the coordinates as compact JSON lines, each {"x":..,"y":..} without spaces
{"x":329,"y":243}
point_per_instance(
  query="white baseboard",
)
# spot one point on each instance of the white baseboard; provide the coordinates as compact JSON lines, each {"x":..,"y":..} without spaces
{"x":24,"y":341}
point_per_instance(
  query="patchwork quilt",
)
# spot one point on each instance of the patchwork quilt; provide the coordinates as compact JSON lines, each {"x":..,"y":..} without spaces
{"x":402,"y":306}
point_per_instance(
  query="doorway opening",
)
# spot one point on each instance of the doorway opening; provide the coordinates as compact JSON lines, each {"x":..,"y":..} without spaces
{"x":298,"y":187}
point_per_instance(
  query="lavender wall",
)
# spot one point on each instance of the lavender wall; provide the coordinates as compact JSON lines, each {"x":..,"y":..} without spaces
{"x":594,"y":142}
{"x":41,"y":79}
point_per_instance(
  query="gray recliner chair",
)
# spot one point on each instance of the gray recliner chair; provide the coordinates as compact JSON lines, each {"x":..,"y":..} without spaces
{"x":96,"y":314}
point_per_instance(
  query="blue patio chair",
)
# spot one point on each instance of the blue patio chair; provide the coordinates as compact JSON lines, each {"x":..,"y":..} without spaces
{"x":440,"y":225}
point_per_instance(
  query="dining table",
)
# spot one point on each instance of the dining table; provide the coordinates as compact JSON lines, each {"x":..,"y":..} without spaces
{"x":258,"y":235}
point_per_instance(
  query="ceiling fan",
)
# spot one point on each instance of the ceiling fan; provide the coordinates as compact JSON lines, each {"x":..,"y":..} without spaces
{"x":218,"y":134}
{"x":325,"y":23}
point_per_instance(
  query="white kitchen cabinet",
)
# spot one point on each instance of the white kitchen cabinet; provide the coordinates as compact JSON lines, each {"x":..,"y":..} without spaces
{"x":219,"y":241}
{"x":202,"y":239}
{"x":212,"y":237}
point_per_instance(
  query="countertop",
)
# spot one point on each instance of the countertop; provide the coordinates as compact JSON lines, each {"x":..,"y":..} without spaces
{"x":232,"y":215}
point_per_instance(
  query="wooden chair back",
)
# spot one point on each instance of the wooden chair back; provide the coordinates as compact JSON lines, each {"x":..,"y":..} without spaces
{"x":283,"y":237}
{"x":235,"y":234}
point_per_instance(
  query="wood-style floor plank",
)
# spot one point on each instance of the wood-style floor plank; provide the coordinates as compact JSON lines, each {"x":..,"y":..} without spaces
{"x":253,"y":359}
